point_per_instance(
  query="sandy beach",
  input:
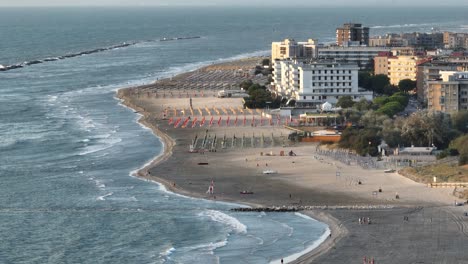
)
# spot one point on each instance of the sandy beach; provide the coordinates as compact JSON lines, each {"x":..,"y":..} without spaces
{"x":421,"y":226}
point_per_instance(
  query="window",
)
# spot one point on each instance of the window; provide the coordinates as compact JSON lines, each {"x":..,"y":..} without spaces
{"x":349,"y":71}
{"x":305,"y":97}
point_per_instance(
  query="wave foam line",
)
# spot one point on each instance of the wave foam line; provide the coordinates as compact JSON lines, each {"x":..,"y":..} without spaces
{"x":314,"y":245}
{"x":227,"y":220}
{"x":103,"y":198}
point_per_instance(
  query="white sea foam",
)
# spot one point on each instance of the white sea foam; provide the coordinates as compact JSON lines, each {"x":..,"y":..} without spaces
{"x":220,"y":217}
{"x":314,"y":245}
{"x":52,"y":98}
{"x":100,"y":184}
{"x":167,"y":252}
{"x":403,"y":25}
{"x":103,"y":198}
{"x":103,"y":144}
{"x":305,"y":216}
{"x":125,"y":199}
{"x":210,"y":246}
{"x":260,"y":241}
{"x":291,"y":229}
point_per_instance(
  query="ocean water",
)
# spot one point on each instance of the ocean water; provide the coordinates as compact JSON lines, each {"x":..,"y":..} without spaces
{"x":68,"y":147}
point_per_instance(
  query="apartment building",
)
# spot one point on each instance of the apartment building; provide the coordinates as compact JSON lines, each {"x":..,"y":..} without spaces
{"x":397,"y":68}
{"x":290,"y":49}
{"x":361,"y":55}
{"x":416,"y":39}
{"x":430,"y":70}
{"x":352,"y":32}
{"x":449,"y":93}
{"x":455,"y":40}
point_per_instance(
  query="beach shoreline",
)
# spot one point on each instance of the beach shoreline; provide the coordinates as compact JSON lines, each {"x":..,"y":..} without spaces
{"x":168,"y":145}
{"x":191,"y":180}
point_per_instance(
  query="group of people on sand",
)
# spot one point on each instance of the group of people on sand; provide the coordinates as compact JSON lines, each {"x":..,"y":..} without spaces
{"x":364,"y":220}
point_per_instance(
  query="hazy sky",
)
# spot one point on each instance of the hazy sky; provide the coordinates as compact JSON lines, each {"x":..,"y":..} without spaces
{"x":376,"y":3}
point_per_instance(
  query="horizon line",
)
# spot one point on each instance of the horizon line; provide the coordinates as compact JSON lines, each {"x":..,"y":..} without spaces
{"x":242,"y":5}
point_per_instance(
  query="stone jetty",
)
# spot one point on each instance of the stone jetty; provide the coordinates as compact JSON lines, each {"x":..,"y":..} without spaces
{"x":310,"y":207}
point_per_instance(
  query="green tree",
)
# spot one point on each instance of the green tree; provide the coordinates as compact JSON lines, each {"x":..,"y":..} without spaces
{"x":380,"y":101}
{"x":260,"y":97}
{"x":461,"y":145}
{"x":364,"y":80}
{"x":266,"y":62}
{"x":406,"y":85}
{"x":460,"y":121}
{"x":373,"y":119}
{"x":246,"y":84}
{"x":363,"y":141}
{"x":391,"y":132}
{"x":390,"y":89}
{"x":428,"y":127}
{"x":401,"y":99}
{"x":378,"y":83}
{"x":345,"y":102}
{"x":391,"y":108}
{"x":363,"y":105}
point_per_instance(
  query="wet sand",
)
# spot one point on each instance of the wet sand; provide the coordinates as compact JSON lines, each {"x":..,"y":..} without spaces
{"x":435,"y":233}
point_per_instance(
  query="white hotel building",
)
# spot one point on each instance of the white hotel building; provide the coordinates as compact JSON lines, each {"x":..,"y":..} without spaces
{"x":314,"y":83}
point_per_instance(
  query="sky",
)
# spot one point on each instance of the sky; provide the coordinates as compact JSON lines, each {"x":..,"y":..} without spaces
{"x":312,"y":3}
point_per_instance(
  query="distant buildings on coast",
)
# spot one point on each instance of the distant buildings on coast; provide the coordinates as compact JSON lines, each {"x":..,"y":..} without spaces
{"x":312,"y":73}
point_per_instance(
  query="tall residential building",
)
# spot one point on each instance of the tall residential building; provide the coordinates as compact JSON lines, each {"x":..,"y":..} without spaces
{"x":389,"y":40}
{"x":360,"y":55}
{"x":290,"y":49}
{"x":450,"y":93}
{"x":455,"y":40}
{"x":430,"y":71}
{"x":352,"y":32}
{"x":426,"y":40}
{"x":397,"y":68}
{"x":381,"y":63}
{"x":314,"y":83}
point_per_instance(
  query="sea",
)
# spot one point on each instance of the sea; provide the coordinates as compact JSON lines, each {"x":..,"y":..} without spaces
{"x":69,"y":148}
